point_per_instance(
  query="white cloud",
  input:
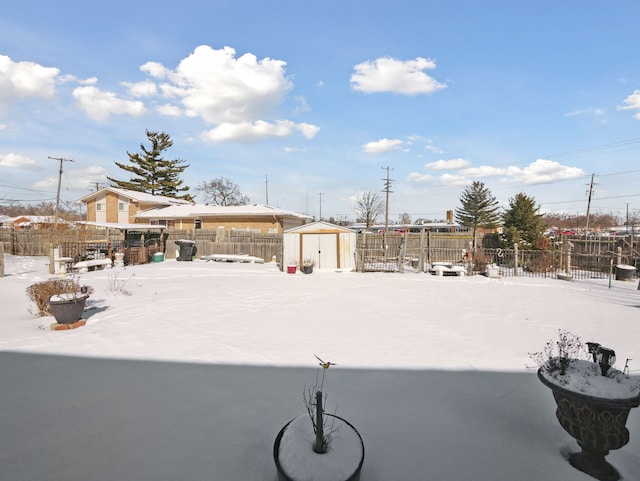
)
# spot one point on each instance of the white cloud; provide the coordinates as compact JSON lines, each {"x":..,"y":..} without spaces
{"x":308,"y":130}
{"x":632,"y":102}
{"x":454,"y":180}
{"x":451,"y":164}
{"x":482,"y":172}
{"x":223,"y":89}
{"x":542,"y":171}
{"x":146,"y":88}
{"x":155,"y":69}
{"x":24,"y":80}
{"x":382,"y":145}
{"x":250,"y":131}
{"x":169,"y":110}
{"x":418,"y":178}
{"x":16,"y":161}
{"x":434,"y":149}
{"x":388,"y":74}
{"x":99,"y":105}
{"x":598,"y":113}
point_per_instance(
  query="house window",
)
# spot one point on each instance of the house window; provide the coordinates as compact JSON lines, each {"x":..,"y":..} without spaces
{"x":99,"y":206}
{"x":122,"y":206}
{"x":197,"y":224}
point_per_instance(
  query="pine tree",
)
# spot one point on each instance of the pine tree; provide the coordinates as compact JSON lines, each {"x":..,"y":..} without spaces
{"x":522,"y":224}
{"x":479,"y":209}
{"x":151,"y":173}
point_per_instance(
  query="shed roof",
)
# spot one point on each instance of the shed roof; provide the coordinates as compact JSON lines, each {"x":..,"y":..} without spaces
{"x":319,"y":227}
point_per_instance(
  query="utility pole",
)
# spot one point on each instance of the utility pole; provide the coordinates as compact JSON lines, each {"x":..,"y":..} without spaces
{"x":627,"y":218}
{"x":266,"y":188}
{"x":387,"y":190}
{"x":97,"y":184}
{"x":589,"y":206}
{"x":61,"y":160}
{"x":320,"y":194}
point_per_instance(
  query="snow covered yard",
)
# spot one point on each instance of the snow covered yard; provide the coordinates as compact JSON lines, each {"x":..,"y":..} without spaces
{"x":187,"y":370}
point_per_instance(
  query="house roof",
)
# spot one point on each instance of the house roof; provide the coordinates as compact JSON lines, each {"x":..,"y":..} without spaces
{"x":136,"y":196}
{"x":204,"y":210}
{"x":32,"y":219}
{"x":122,"y":226}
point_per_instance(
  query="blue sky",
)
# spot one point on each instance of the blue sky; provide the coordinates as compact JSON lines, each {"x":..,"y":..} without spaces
{"x":308,"y":104}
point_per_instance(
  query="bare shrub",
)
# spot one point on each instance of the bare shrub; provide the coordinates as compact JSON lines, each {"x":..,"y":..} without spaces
{"x":40,"y":293}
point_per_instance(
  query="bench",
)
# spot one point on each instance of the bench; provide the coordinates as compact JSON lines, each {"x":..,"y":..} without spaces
{"x":86,"y":266}
{"x":446,"y":269}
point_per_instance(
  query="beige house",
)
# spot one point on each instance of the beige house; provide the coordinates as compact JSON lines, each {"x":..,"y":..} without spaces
{"x":121,"y":208}
{"x":110,"y":207}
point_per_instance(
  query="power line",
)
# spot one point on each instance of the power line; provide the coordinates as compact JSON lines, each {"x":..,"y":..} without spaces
{"x":634,"y":143}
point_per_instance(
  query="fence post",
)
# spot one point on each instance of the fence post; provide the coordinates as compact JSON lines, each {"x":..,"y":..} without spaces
{"x":515,"y":260}
{"x":569,"y":250}
{"x":1,"y":259}
{"x":421,"y":256}
{"x":619,"y":255}
{"x":51,"y":260}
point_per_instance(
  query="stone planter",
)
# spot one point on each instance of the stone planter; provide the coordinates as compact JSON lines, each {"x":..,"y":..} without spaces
{"x":598,"y":424}
{"x":307,"y":269}
{"x":625,"y":272}
{"x":295,"y":459}
{"x":68,"y":308}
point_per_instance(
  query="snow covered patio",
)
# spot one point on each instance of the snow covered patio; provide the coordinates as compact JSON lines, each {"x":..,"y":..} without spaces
{"x":191,"y":376}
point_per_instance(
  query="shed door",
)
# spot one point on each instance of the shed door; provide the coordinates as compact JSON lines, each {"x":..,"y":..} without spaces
{"x":322,"y":248}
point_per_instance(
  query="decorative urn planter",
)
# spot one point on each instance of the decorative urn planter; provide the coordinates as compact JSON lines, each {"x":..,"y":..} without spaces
{"x":296,"y":459}
{"x":68,"y":308}
{"x":593,"y":408}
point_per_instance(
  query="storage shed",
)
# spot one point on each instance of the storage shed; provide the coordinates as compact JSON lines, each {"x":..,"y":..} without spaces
{"x":329,"y":246}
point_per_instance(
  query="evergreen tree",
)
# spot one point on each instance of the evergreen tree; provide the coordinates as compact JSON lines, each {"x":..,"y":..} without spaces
{"x":151,"y":173}
{"x":479,"y":208}
{"x":522,"y":224}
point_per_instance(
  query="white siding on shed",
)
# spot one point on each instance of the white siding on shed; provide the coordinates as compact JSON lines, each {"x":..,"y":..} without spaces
{"x":328,"y":245}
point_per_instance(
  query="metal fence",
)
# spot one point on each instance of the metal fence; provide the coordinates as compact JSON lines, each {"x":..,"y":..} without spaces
{"x":418,"y":253}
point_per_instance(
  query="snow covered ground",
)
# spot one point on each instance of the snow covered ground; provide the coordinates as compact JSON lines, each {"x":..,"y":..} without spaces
{"x":187,"y":371}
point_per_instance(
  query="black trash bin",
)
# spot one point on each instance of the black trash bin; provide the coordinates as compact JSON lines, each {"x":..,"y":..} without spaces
{"x":187,"y":250}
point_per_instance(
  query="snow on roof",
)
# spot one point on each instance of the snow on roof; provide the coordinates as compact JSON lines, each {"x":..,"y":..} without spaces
{"x":138,"y":196}
{"x":205,"y":210}
{"x":122,"y":226}
{"x":319,"y":226}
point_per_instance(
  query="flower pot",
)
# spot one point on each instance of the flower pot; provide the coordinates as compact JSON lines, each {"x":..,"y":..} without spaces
{"x":307,"y":269}
{"x":67,"y":308}
{"x":295,"y":459}
{"x":597,"y":423}
{"x":625,"y":272}
{"x":292,"y":269}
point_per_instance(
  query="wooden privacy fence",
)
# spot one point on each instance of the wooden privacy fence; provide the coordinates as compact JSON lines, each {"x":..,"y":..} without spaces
{"x":581,"y":258}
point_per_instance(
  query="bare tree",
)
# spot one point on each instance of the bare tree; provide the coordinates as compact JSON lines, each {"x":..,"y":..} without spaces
{"x":369,"y":206}
{"x":222,"y":191}
{"x":404,"y":219}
